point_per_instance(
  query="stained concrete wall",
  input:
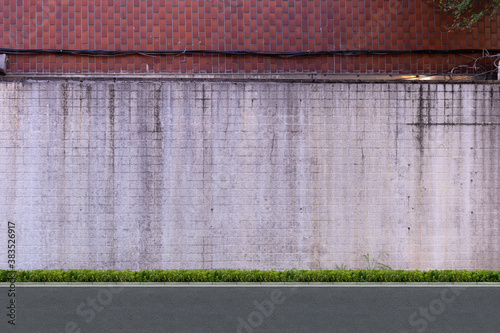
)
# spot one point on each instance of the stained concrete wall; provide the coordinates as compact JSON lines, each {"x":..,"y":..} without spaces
{"x":146,"y":175}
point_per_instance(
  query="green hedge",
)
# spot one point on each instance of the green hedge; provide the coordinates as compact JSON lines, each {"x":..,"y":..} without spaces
{"x":218,"y":275}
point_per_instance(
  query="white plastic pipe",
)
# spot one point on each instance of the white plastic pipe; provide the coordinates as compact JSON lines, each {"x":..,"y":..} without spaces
{"x":3,"y":68}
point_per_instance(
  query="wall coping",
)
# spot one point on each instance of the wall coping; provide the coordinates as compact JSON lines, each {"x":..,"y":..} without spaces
{"x":306,"y":78}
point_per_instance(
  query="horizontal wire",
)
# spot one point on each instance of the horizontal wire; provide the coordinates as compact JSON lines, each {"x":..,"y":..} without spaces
{"x":235,"y":52}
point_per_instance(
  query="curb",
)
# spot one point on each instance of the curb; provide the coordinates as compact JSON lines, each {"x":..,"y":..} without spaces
{"x":253,"y":284}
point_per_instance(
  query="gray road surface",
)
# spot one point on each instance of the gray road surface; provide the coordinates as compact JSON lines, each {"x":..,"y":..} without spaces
{"x":265,"y":308}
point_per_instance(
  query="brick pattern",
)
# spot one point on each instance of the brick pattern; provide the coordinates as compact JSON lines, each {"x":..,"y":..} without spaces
{"x":265,"y":25}
{"x":169,"y":175}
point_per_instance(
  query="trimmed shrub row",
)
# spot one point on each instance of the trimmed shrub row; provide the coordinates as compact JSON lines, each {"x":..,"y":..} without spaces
{"x":229,"y":275}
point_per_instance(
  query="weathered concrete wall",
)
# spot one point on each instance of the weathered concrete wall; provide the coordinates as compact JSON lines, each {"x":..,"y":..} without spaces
{"x":131,"y":175}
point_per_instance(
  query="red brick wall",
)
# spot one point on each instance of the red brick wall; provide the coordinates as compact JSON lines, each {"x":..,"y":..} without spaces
{"x":258,"y":25}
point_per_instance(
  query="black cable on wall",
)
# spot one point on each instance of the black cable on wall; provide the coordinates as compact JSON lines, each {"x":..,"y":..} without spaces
{"x":237,"y":52}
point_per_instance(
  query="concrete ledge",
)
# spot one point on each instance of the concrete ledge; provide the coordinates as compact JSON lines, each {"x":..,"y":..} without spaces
{"x":306,"y":78}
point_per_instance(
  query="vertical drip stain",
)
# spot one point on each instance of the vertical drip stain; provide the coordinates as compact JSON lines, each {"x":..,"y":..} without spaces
{"x":207,"y":246}
{"x":150,"y":225}
{"x":110,"y":195}
{"x":157,"y":109}
{"x":420,"y":120}
{"x":421,"y":124}
{"x":61,"y":193}
{"x":64,"y":93}
{"x":157,"y":178}
{"x":89,"y":225}
{"x":111,"y":110}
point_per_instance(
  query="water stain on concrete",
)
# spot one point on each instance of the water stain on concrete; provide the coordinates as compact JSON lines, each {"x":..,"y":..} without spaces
{"x":110,"y":188}
{"x":294,"y":205}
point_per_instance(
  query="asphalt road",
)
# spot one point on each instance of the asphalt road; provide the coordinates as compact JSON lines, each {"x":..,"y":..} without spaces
{"x":233,"y":308}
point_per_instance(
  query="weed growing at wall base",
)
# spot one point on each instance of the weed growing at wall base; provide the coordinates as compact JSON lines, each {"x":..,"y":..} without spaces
{"x":375,"y":263}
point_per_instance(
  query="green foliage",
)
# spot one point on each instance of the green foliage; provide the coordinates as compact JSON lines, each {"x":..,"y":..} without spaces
{"x":229,"y":275}
{"x":342,"y":266}
{"x":374,"y":263}
{"x":467,"y":12}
